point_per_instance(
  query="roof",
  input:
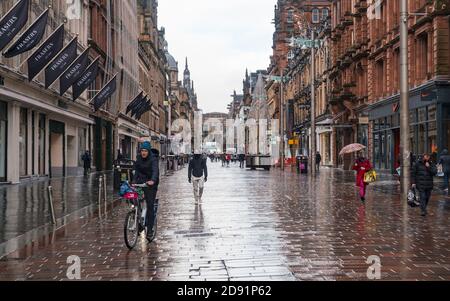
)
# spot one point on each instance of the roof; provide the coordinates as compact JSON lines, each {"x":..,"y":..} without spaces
{"x":171,"y":62}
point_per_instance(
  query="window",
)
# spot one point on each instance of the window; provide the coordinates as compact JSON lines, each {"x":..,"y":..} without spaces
{"x":290,"y":16}
{"x":380,"y":76}
{"x":315,"y":15}
{"x":325,"y":14}
{"x":422,"y":57}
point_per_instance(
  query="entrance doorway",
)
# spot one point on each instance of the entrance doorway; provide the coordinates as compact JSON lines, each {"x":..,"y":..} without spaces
{"x":57,"y":149}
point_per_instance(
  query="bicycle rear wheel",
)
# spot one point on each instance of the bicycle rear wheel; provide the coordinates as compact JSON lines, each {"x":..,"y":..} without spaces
{"x":131,"y":230}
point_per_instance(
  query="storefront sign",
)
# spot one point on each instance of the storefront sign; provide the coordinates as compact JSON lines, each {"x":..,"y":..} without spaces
{"x":428,"y":95}
{"x":108,"y":90}
{"x":61,"y":62}
{"x":75,"y":71}
{"x":30,"y":38}
{"x":363,"y":120}
{"x":46,"y":52}
{"x":13,"y":22}
{"x":85,"y":80}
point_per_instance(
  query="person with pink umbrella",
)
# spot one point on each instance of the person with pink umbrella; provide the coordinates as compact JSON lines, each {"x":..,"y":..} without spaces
{"x":362,"y":165}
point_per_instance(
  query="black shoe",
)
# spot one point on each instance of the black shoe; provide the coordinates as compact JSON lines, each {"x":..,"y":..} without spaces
{"x":150,"y":236}
{"x":363,"y":199}
{"x":424,"y":213}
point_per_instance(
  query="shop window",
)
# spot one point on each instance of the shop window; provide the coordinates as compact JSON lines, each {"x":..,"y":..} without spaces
{"x":432,"y":113}
{"x":432,"y":137}
{"x":396,"y":120}
{"x":81,"y":145}
{"x":23,"y":142}
{"x":3,"y":142}
{"x":413,"y":116}
{"x":376,"y":149}
{"x":422,"y":114}
{"x":412,"y":138}
{"x":421,"y":141}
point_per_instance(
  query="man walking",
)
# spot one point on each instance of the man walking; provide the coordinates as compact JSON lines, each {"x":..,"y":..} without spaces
{"x":422,"y":178}
{"x":241,"y":160}
{"x":86,"y":162}
{"x":318,"y":161}
{"x":198,"y":175}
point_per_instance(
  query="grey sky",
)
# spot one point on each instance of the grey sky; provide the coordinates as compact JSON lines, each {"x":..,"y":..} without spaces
{"x":220,"y":39}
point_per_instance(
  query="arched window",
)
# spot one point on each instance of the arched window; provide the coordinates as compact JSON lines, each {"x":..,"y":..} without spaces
{"x":315,"y":15}
{"x":325,"y":13}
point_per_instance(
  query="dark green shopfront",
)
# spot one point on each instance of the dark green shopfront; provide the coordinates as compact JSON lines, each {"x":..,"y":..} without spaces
{"x":429,"y":124}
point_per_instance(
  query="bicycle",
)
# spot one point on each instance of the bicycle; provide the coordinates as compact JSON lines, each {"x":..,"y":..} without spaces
{"x":135,"y":221}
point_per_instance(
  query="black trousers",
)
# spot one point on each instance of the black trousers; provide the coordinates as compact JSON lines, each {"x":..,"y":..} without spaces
{"x":425,"y":195}
{"x":150,"y":198}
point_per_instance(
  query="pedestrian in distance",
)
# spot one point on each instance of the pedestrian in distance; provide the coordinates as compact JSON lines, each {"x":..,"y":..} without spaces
{"x":362,"y":165}
{"x":86,"y":158}
{"x":120,"y":157}
{"x":444,"y":161}
{"x":228,"y":159}
{"x":198,"y":175}
{"x":241,"y":160}
{"x":422,"y":176}
{"x":318,"y":161}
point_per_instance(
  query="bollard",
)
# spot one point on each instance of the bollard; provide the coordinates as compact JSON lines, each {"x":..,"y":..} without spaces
{"x":50,"y":202}
{"x":100,"y":188}
{"x":104,"y":194}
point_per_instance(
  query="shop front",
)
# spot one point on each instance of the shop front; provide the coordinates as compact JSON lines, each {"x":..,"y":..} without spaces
{"x":129,"y":134}
{"x":428,"y":131}
{"x":324,"y":145}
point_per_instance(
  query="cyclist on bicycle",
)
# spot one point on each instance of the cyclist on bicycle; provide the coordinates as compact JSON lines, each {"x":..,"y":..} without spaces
{"x":146,"y":170}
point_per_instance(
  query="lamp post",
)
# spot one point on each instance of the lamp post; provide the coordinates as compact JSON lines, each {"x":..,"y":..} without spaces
{"x":313,"y":107}
{"x":282,"y":129}
{"x":404,"y":99}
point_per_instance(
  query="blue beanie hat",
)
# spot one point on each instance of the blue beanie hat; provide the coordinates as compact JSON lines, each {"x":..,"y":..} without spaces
{"x":146,"y":145}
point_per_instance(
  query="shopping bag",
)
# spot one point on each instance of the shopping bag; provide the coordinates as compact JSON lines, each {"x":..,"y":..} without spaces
{"x":413,"y":198}
{"x":440,"y":171}
{"x":370,"y":176}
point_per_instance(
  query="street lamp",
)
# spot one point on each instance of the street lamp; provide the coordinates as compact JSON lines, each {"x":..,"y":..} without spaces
{"x":404,"y":99}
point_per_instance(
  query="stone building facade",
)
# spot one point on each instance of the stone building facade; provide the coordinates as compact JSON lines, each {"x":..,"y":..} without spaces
{"x":43,"y":134}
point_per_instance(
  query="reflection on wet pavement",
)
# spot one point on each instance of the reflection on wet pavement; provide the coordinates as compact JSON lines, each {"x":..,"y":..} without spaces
{"x":255,"y":225}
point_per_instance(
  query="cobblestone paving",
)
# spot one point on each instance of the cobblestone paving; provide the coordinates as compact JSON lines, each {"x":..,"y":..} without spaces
{"x":254,"y":225}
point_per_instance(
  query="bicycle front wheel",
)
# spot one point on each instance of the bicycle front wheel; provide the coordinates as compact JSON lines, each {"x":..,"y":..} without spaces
{"x":131,"y":230}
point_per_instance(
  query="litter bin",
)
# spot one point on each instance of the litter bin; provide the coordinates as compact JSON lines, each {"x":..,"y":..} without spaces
{"x":123,"y":171}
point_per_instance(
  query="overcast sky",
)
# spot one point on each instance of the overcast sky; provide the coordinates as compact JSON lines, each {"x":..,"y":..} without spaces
{"x":220,"y":39}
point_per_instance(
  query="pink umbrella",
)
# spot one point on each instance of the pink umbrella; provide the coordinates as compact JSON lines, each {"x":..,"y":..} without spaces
{"x":352,"y":148}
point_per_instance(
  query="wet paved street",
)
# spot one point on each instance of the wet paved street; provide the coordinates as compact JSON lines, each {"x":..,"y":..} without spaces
{"x":254,"y":225}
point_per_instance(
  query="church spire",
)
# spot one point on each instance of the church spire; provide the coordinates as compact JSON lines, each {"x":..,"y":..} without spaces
{"x":187,"y":76}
